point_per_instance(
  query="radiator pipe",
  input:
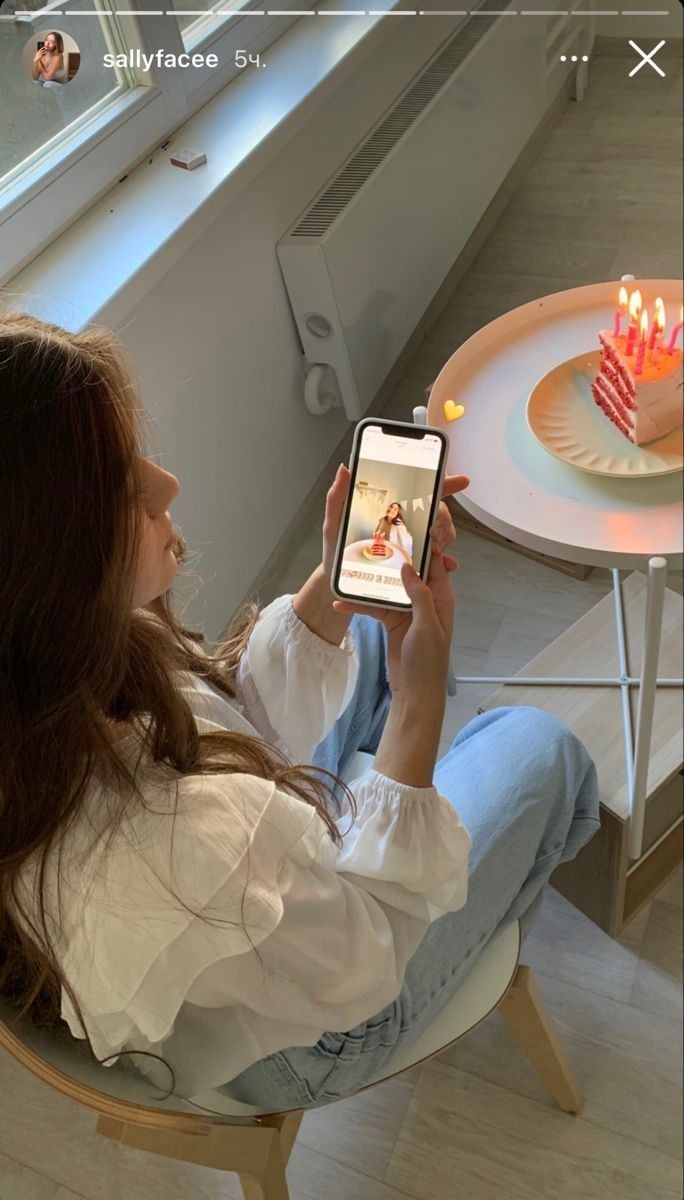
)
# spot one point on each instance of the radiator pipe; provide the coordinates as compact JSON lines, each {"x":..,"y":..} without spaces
{"x":316,"y":402}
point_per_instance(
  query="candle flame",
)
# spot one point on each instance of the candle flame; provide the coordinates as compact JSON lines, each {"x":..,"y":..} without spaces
{"x":623,"y":301}
{"x":660,"y":315}
{"x":644,"y":323}
{"x":635,"y":306}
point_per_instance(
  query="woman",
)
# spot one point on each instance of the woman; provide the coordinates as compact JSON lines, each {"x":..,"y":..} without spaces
{"x":48,"y":61}
{"x":393,"y":528}
{"x":172,"y":876}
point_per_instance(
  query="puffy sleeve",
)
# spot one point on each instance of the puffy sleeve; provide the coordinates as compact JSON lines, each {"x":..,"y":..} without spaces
{"x":352,"y":918}
{"x":292,"y":684}
{"x":255,"y":867}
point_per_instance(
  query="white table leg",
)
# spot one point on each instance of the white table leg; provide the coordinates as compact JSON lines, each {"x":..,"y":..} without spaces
{"x":657,"y":575}
{"x":624,"y":681}
{"x":420,"y":414}
{"x":638,"y":758}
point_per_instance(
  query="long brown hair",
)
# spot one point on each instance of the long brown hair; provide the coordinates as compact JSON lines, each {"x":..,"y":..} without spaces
{"x":75,"y":656}
{"x":58,"y":39}
{"x":384,"y":524}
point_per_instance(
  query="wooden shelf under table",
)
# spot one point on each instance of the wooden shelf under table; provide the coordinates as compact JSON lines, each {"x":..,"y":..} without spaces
{"x":601,"y":881}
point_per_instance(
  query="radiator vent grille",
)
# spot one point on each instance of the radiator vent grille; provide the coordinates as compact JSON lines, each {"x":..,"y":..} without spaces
{"x":352,"y":176}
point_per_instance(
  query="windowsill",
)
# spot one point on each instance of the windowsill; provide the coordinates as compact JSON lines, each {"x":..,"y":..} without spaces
{"x":106,"y":262}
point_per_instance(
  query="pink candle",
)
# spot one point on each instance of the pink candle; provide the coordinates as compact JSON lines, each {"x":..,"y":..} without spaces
{"x":634,"y":311}
{"x":641,"y":352}
{"x":676,"y":332}
{"x":658,"y":323}
{"x":631,"y":339}
{"x":656,"y":341}
{"x":622,"y":303}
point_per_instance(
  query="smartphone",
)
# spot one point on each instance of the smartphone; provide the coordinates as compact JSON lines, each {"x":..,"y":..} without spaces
{"x":397,"y":474}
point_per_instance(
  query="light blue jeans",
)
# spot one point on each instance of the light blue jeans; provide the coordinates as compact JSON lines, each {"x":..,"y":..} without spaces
{"x":526,"y":790}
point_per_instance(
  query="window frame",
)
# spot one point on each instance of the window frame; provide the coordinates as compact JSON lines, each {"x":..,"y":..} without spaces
{"x":47,"y":192}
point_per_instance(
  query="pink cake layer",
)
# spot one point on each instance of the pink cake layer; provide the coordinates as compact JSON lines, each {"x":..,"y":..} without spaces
{"x":644,"y":406}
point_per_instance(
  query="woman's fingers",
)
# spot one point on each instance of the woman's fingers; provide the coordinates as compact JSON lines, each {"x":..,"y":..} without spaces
{"x":344,"y":606}
{"x":380,"y":614}
{"x":442,"y":536}
{"x":454,"y":483}
{"x":443,"y":525}
{"x":336,"y":496}
{"x":334,"y":507}
{"x":442,"y":531}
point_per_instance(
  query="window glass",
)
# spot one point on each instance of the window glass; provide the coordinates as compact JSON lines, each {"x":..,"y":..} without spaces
{"x":195,"y":22}
{"x":37,"y":113}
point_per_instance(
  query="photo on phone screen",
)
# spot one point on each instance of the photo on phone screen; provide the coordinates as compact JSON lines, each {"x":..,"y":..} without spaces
{"x":395,"y":487}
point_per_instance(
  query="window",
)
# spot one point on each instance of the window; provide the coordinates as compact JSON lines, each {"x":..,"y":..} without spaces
{"x":193,"y":21}
{"x":64,"y":142}
{"x":34,"y":121}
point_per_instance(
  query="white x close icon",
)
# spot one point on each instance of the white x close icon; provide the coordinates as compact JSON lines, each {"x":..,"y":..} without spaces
{"x":647,"y":58}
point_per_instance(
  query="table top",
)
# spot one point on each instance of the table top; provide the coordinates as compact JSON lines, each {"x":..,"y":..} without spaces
{"x":516,"y":487}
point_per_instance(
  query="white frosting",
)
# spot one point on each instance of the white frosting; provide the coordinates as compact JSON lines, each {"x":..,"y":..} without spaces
{"x":648,"y":405}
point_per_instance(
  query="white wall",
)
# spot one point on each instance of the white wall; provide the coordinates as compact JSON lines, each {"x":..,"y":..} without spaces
{"x":219,"y":357}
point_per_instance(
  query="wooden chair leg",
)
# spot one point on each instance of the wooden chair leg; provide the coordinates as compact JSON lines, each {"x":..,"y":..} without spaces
{"x":524,"y":1010}
{"x":289,"y":1128}
{"x":257,"y":1155}
{"x":272,"y":1185}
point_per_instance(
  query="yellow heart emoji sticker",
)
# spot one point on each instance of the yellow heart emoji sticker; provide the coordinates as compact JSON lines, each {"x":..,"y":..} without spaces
{"x":452,"y":411}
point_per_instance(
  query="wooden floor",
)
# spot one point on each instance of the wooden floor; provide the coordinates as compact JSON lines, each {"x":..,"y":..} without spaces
{"x":604,"y":198}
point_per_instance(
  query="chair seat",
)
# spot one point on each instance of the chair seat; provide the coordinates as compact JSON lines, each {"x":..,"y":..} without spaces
{"x":475,"y":999}
{"x":477,"y":996}
{"x":479,"y":993}
{"x":68,"y":1059}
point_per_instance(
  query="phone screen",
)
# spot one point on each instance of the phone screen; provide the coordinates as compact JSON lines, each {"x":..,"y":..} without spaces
{"x":392,"y":501}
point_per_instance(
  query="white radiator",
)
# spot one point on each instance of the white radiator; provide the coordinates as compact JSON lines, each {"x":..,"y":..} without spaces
{"x":362,"y":263}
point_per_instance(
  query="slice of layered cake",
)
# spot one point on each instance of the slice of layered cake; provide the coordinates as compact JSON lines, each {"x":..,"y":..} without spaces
{"x":644,"y":404}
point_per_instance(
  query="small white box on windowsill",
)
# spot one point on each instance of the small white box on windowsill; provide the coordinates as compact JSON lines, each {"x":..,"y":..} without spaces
{"x":187,"y":159}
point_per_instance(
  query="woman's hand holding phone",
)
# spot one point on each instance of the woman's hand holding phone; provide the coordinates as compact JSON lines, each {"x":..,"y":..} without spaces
{"x":334,"y":509}
{"x":418,"y":668}
{"x":418,"y":645}
{"x":418,"y":641}
{"x":419,"y":637}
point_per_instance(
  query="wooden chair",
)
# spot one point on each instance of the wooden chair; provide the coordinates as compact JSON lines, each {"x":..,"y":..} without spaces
{"x":254,"y":1143}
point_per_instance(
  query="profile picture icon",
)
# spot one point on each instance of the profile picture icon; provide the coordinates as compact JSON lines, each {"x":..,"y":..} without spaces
{"x":51,"y":58}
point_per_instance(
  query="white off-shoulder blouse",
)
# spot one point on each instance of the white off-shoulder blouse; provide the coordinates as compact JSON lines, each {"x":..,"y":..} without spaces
{"x":334,"y":928}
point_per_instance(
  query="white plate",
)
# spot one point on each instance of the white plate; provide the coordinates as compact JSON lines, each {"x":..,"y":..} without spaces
{"x":565,"y":419}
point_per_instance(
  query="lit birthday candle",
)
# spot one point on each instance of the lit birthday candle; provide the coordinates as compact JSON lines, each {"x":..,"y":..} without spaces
{"x":658,"y":331}
{"x":676,"y":332}
{"x":641,"y":352}
{"x":623,"y":304}
{"x":634,"y":314}
{"x":658,"y":324}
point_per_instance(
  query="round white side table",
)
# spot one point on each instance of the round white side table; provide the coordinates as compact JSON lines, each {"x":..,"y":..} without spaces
{"x":529,"y":496}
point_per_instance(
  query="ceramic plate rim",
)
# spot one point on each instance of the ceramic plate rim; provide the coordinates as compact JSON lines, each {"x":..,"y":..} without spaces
{"x":619,"y":474}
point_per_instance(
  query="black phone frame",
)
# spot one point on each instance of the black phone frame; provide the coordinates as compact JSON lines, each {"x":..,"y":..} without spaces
{"x":409,"y":430}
